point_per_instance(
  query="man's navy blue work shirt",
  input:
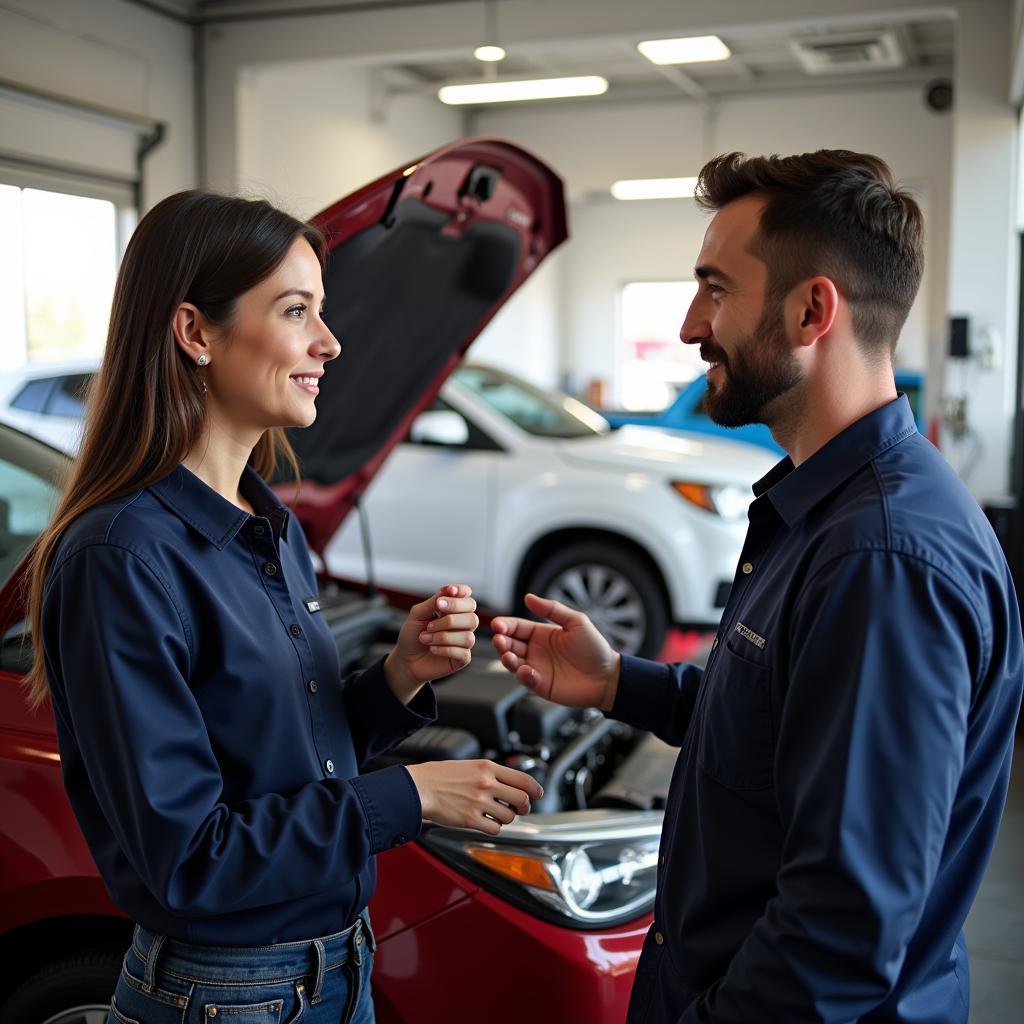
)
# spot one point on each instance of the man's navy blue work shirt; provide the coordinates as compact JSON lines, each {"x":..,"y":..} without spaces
{"x":845,"y":753}
{"x":209,"y":748}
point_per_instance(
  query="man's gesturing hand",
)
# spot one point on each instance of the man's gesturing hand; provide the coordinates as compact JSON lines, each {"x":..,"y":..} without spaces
{"x":473,"y":794}
{"x":565,"y":660}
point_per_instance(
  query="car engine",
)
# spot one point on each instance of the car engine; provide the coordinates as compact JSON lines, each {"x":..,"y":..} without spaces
{"x":582,"y":759}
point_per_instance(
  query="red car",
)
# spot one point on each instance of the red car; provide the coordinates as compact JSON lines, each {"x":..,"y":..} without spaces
{"x":419,"y":262}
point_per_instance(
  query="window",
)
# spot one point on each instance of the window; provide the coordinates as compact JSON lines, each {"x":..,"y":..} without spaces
{"x":68,"y":398}
{"x":476,"y":439}
{"x":56,"y":396}
{"x":28,"y":494}
{"x":33,"y":396}
{"x":653,"y":364}
{"x":541,"y":413}
{"x":58,"y":261}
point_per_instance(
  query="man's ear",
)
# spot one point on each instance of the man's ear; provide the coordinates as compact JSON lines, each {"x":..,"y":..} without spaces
{"x":192,"y":332}
{"x":816,"y":303}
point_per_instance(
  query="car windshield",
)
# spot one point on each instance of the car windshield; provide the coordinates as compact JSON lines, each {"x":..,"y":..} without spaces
{"x":538,"y":412}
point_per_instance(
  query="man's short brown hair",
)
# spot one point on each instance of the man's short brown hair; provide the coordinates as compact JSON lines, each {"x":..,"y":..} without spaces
{"x":835,"y":213}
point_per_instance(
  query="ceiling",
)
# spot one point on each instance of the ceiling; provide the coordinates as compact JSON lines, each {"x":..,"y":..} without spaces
{"x":762,"y":60}
{"x":764,"y":57}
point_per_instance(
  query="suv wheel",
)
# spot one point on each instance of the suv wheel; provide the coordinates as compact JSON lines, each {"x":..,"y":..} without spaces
{"x":73,"y":990}
{"x":615,"y":588}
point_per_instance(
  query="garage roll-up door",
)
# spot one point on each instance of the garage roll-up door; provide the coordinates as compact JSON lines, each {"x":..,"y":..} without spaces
{"x":71,"y":109}
{"x":56,"y":142}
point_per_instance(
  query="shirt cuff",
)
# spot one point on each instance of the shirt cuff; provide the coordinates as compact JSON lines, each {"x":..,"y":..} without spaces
{"x":644,"y":691}
{"x":391,"y":806}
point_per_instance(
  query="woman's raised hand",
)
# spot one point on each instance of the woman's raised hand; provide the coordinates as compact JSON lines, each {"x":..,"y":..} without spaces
{"x":436,"y":639}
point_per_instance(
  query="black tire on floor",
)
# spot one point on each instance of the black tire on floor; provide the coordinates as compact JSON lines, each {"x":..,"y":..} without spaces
{"x":578,"y":575}
{"x":82,"y":981}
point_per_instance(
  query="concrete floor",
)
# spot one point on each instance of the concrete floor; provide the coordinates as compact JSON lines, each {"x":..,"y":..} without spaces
{"x":995,"y":928}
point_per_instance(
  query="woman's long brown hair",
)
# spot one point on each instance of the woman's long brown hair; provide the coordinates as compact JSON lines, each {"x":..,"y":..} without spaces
{"x":145,"y":410}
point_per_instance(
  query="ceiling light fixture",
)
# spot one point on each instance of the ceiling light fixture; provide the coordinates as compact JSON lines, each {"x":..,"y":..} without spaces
{"x":489,"y":54}
{"x":518,"y":91}
{"x":688,"y":50}
{"x":654,"y":188}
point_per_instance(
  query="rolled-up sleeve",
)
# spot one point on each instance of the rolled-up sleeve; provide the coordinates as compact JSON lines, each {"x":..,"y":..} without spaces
{"x":118,"y":649}
{"x":887,"y":649}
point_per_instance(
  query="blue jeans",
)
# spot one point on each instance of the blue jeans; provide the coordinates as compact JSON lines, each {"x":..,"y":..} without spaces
{"x":316,"y":981}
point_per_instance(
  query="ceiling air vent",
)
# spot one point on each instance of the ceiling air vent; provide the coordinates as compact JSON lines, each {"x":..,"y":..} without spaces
{"x":845,"y":54}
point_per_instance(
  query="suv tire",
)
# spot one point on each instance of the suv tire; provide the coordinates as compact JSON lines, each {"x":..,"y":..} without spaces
{"x":614,"y":587}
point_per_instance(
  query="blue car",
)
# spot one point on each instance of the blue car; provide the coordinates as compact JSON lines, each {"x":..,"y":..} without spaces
{"x":687,"y":413}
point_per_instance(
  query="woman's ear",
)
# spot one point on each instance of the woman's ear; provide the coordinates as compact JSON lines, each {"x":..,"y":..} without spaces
{"x":192,"y":333}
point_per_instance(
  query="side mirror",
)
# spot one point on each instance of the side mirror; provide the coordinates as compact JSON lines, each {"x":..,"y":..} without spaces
{"x":441,"y":427}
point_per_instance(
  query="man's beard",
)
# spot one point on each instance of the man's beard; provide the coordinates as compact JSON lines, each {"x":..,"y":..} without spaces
{"x":761,"y":368}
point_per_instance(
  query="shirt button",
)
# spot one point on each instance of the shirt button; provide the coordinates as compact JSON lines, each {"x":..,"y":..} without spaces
{"x":714,"y":644}
{"x":329,"y":765}
{"x":659,"y":938}
{"x":258,"y":530}
{"x":747,"y":568}
{"x":295,"y":630}
{"x":270,"y":569}
{"x":661,"y":860}
{"x":312,"y":686}
{"x":400,"y":839}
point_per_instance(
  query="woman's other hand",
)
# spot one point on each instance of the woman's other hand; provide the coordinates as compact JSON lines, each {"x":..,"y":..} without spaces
{"x":436,"y":639}
{"x":473,"y":794}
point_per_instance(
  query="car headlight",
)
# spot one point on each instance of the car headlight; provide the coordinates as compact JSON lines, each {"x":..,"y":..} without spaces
{"x":726,"y":500}
{"x":582,"y":869}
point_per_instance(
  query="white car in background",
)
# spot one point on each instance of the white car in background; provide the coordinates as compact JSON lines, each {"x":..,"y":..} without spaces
{"x":46,"y":400}
{"x":512,"y":488}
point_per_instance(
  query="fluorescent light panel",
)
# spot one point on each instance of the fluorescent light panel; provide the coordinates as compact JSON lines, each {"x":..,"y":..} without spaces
{"x":689,"y":50}
{"x":531,"y":89}
{"x":654,"y":188}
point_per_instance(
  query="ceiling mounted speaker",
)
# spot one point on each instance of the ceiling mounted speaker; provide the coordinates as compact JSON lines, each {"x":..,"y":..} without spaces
{"x":938,"y":95}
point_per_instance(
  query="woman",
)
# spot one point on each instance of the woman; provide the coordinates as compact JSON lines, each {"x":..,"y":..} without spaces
{"x":209,"y":751}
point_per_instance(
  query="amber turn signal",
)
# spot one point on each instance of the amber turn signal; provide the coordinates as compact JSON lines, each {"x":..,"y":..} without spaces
{"x":523,"y":869}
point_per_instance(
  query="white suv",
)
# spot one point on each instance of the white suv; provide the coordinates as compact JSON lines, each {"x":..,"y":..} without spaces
{"x":512,"y":488}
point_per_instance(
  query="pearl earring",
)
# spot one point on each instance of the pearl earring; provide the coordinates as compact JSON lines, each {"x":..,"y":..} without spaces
{"x":202,"y":361}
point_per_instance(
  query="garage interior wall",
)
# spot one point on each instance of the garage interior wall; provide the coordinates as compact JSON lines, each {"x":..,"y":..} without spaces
{"x":311,"y":132}
{"x":110,"y":54}
{"x":613,"y":242}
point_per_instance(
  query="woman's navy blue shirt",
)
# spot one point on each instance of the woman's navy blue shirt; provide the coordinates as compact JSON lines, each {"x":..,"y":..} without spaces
{"x":209,"y":748}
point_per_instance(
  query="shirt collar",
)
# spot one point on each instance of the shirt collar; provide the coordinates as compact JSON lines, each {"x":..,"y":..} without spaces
{"x":212,"y":515}
{"x":795,"y":491}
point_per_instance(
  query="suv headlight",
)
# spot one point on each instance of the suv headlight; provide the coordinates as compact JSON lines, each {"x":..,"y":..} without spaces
{"x":583,"y":869}
{"x":726,"y":500}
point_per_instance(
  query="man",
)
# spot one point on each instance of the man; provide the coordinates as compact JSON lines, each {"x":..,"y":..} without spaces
{"x":846,"y":751}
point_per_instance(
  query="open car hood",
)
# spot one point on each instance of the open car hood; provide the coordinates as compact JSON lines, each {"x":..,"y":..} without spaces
{"x":418,"y":263}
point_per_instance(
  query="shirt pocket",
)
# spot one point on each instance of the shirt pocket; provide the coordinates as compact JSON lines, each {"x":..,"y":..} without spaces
{"x":736,"y":743}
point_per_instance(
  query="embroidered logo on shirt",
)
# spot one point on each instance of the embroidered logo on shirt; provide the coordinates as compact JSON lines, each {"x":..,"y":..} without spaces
{"x":312,"y":604}
{"x":748,"y":634}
